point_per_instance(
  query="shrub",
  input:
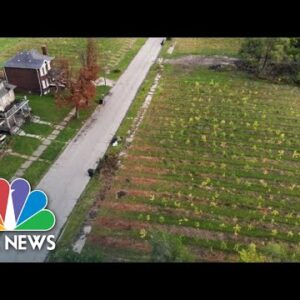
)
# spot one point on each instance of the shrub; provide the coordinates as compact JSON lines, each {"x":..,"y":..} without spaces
{"x":278,"y":252}
{"x":68,"y":255}
{"x":250,"y":254}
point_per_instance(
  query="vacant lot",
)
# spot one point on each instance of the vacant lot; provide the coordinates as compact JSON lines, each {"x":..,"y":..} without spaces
{"x":114,"y":52}
{"x":215,"y":163}
{"x":205,"y":46}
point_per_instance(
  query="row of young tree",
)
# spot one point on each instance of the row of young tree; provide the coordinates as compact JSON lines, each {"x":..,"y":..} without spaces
{"x":79,"y":88}
{"x":272,"y":58}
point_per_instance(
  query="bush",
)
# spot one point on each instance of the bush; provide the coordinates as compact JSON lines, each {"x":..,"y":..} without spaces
{"x":250,"y":254}
{"x":278,"y":252}
{"x":167,"y":248}
{"x":68,"y":255}
{"x":271,"y":58}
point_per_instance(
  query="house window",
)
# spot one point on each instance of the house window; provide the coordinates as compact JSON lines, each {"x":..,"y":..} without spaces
{"x":43,"y":84}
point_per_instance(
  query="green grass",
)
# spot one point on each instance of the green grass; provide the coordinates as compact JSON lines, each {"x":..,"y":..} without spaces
{"x":37,"y":129}
{"x":9,"y":164}
{"x":53,"y":150}
{"x":24,"y":145}
{"x":69,"y":48}
{"x":45,"y":107}
{"x":217,"y":154}
{"x":205,"y":46}
{"x":34,"y":173}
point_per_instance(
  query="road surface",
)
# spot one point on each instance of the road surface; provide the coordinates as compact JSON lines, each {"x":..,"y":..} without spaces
{"x":68,"y":177}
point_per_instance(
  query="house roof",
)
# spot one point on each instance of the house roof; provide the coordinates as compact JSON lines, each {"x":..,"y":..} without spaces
{"x":27,"y":60}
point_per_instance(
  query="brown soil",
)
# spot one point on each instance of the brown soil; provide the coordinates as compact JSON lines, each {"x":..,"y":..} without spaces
{"x":200,"y":60}
{"x":141,"y":180}
{"x":135,"y":157}
{"x":205,"y":255}
{"x":129,"y":207}
{"x":122,"y":224}
{"x":107,"y":168}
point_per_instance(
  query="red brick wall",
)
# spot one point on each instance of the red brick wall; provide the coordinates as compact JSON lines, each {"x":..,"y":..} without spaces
{"x":24,"y":79}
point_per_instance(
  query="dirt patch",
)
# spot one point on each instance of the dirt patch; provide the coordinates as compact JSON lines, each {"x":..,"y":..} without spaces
{"x":142,"y":157}
{"x":200,"y":60}
{"x":206,"y":255}
{"x":121,"y":194}
{"x":141,"y":193}
{"x":129,"y":207}
{"x":135,"y":169}
{"x":107,"y":168}
{"x":122,"y":224}
{"x":143,"y":180}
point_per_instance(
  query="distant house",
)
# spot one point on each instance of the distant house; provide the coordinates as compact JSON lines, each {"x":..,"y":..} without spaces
{"x":13,"y":112}
{"x":29,"y":71}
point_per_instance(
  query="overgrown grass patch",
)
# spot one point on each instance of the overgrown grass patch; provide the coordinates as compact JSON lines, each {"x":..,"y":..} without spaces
{"x":9,"y":164}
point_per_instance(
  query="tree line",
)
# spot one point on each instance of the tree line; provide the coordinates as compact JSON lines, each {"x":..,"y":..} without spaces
{"x":272,"y":58}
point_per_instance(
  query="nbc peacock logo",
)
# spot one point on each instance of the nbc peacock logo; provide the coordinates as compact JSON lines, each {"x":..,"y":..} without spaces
{"x":22,"y":209}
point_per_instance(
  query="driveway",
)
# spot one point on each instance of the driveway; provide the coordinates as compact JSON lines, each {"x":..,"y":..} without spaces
{"x":68,"y":177}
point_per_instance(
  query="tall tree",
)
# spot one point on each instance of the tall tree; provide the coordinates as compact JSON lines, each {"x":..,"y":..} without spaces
{"x":260,"y":52}
{"x":81,"y":90}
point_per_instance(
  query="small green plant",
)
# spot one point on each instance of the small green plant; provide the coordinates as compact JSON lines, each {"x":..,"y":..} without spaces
{"x":167,"y":248}
{"x":250,"y":254}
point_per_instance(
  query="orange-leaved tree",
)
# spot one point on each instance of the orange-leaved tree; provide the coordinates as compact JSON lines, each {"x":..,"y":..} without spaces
{"x":81,"y":89}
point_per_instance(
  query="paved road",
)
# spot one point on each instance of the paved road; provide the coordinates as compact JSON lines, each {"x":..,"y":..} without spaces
{"x":68,"y":177}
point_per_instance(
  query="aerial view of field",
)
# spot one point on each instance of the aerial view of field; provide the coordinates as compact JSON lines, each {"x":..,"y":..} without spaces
{"x":154,"y":149}
{"x":116,"y":54}
{"x":213,"y":168}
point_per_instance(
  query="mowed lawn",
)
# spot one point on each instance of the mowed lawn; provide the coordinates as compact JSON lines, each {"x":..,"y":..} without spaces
{"x":216,"y":162}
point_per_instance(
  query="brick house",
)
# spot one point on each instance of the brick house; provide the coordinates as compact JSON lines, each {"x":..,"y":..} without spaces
{"x":29,"y":71}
